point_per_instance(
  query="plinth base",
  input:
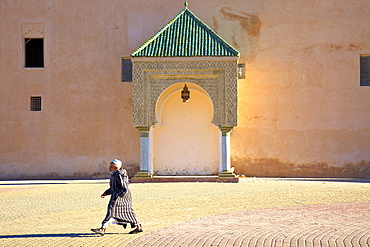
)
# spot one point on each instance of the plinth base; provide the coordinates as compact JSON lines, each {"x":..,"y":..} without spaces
{"x":227,"y":174}
{"x":180,"y":179}
{"x":143,"y":175}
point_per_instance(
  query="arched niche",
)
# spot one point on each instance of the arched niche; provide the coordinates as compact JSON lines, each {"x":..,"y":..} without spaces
{"x":215,"y":77}
{"x":184,"y":140}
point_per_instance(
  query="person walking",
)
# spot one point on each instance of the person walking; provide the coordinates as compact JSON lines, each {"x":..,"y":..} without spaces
{"x":120,"y":204}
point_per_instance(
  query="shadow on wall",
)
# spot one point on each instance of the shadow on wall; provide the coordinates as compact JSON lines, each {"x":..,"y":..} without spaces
{"x":276,"y":168}
{"x":102,"y":173}
{"x":132,"y":169}
{"x":235,"y":26}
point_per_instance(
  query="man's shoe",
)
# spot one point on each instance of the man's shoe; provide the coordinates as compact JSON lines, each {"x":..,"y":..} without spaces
{"x":99,"y":231}
{"x":136,"y":231}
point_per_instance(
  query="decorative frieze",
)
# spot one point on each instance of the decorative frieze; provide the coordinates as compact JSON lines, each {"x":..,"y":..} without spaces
{"x":217,"y":78}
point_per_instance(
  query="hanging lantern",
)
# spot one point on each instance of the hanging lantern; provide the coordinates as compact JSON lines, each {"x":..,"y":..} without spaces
{"x":185,"y":94}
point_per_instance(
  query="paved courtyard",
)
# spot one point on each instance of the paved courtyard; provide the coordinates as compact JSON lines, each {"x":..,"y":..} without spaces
{"x":253,"y":212}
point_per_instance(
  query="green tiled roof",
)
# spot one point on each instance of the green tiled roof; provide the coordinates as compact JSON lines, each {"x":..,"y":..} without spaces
{"x":185,"y":36}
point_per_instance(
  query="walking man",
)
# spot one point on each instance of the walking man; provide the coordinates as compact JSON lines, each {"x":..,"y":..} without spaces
{"x":120,"y":204}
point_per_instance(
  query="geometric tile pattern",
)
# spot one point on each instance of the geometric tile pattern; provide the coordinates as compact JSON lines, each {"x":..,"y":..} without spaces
{"x":217,"y":78}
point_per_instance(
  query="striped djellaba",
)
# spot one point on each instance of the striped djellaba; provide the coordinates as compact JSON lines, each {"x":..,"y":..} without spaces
{"x":120,"y":203}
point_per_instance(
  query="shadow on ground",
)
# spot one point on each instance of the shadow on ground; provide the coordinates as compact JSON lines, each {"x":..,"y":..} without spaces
{"x":56,"y":235}
{"x":327,"y":180}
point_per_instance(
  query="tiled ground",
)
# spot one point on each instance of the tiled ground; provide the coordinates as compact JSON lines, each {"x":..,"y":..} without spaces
{"x":253,"y":212}
{"x":338,"y":224}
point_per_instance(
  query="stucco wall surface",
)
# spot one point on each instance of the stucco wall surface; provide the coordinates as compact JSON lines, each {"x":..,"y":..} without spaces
{"x":86,"y":116}
{"x":301,"y":109}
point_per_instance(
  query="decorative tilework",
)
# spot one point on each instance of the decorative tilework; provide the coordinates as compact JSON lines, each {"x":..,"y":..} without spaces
{"x":217,"y":78}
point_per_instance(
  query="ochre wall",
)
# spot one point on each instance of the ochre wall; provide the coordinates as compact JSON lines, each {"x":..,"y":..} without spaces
{"x":301,"y":109}
{"x":86,"y":110}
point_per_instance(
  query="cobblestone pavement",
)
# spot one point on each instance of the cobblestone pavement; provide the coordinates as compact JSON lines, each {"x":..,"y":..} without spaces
{"x":339,"y":224}
{"x":254,"y":212}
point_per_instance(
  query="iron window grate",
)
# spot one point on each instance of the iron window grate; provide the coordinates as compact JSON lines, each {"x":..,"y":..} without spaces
{"x":34,"y":53}
{"x":35,"y":103}
{"x":365,"y":70}
{"x":126,"y":70}
{"x":241,"y":71}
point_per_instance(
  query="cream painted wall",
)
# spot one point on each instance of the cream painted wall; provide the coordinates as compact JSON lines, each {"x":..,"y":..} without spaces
{"x":184,"y":141}
{"x":301,"y":109}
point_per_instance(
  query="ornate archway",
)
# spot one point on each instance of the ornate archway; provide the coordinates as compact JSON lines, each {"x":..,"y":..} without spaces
{"x":185,"y":50}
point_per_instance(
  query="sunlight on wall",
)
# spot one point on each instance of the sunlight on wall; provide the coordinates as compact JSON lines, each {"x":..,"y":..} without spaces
{"x":186,"y":143}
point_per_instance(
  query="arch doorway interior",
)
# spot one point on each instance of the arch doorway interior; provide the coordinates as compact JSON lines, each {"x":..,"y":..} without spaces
{"x":185,"y":142}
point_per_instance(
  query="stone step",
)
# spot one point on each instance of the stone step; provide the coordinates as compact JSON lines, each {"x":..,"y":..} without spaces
{"x":180,"y":179}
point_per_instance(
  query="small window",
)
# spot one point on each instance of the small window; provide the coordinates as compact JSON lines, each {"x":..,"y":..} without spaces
{"x":241,"y":71}
{"x":126,"y":70}
{"x":365,"y":70}
{"x":34,"y":52}
{"x":35,"y":103}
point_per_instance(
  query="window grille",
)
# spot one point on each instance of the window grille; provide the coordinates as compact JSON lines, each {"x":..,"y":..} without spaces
{"x":241,"y":71}
{"x":126,"y":70}
{"x":35,"y":103}
{"x":34,"y":52}
{"x":365,"y":70}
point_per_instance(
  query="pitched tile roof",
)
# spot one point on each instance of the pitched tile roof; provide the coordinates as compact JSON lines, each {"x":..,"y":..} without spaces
{"x":185,"y":36}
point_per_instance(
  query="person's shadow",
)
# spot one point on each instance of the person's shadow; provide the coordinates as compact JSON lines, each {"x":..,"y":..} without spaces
{"x":55,"y":235}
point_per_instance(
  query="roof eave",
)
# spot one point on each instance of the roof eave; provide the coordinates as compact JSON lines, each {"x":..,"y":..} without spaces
{"x":177,"y":59}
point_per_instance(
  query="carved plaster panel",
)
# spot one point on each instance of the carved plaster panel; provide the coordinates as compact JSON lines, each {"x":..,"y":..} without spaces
{"x":211,"y":86}
{"x":33,"y":30}
{"x":217,"y":78}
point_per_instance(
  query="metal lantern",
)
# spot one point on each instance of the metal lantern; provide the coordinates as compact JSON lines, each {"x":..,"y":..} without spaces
{"x":185,"y":94}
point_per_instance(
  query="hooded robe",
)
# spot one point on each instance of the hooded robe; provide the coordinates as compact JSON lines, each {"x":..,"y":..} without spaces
{"x":120,"y":203}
